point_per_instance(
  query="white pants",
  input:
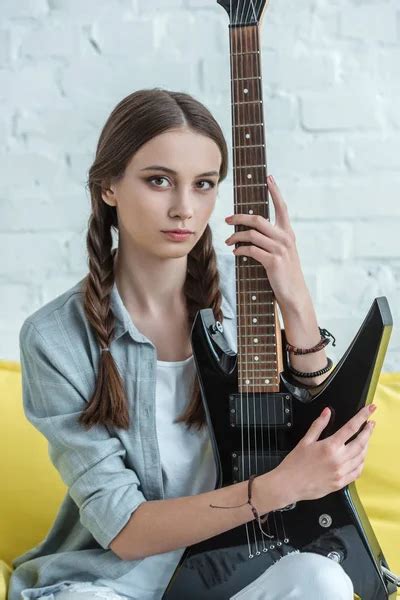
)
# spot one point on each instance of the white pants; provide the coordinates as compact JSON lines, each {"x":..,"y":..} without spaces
{"x":296,"y":576}
{"x":300,"y":575}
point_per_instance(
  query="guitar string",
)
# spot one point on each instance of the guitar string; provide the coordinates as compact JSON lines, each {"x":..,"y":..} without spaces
{"x":259,"y":139}
{"x":279,"y":515}
{"x":261,"y":120}
{"x":232,"y":38}
{"x":240,"y":259}
{"x":254,"y":108}
{"x":241,"y":97}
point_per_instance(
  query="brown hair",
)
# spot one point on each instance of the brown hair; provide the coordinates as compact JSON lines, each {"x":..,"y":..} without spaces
{"x":135,"y":120}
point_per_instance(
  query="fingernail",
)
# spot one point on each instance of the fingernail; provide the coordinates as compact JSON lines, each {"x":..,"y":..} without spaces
{"x":228,"y":218}
{"x":325,"y":411}
{"x":271,"y":179}
{"x":372,"y":408}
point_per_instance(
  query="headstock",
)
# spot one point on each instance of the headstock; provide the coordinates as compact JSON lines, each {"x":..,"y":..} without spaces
{"x":244,"y":12}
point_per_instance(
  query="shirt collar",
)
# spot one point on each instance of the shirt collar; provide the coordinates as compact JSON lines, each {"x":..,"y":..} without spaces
{"x":124,"y":323}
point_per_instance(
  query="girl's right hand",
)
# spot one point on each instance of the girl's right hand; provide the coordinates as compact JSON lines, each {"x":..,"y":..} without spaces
{"x":315,"y":467}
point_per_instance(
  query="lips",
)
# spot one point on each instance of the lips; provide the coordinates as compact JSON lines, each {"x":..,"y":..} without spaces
{"x":177,"y":231}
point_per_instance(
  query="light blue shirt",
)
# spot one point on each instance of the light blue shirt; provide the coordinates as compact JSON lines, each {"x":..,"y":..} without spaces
{"x":109,"y":471}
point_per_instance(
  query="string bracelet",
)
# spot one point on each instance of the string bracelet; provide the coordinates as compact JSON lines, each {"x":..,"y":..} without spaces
{"x":324,"y":341}
{"x":315,"y":373}
{"x":106,"y":349}
{"x":257,"y":517}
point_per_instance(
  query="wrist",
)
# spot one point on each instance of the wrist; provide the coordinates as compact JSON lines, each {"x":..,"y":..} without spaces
{"x":271,"y":493}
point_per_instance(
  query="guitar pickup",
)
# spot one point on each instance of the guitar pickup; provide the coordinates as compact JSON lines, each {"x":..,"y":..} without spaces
{"x":245,"y":463}
{"x":261,"y":409}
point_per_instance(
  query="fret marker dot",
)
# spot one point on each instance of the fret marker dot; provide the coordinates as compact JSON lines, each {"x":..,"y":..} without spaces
{"x":244,"y":258}
{"x":255,"y":340}
{"x":246,"y":91}
{"x":247,"y":136}
{"x":249,"y":176}
{"x":266,"y":380}
{"x":254,"y":297}
{"x":250,"y":211}
{"x":255,"y":320}
{"x":247,"y":381}
{"x":256,"y":358}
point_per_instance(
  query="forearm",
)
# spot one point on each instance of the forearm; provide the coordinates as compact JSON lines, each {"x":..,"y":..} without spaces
{"x":301,"y":330}
{"x":159,"y":526}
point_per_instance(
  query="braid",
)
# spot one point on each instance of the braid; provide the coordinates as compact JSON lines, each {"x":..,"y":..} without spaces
{"x":202,"y":291}
{"x":108,"y":403}
{"x":136,"y":120}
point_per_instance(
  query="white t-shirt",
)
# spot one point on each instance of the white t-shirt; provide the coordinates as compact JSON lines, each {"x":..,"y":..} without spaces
{"x":188,"y":468}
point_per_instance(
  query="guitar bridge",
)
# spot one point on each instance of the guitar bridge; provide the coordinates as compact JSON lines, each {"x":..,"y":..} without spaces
{"x":260,"y":409}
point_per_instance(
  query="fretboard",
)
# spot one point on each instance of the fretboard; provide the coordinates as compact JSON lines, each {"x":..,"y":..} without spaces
{"x":258,"y":332}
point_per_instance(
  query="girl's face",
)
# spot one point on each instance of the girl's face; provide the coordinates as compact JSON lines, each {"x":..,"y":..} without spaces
{"x":170,"y":183}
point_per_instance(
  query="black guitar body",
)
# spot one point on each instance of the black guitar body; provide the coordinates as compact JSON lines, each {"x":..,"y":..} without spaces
{"x":268,"y":426}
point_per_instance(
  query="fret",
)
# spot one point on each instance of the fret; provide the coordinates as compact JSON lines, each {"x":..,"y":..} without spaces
{"x":242,"y":110}
{"x":259,"y":382}
{"x":245,"y":185}
{"x":256,"y":265}
{"x":248,"y":166}
{"x":244,"y":331}
{"x":262,"y":315}
{"x":244,"y":374}
{"x":256,"y":291}
{"x":249,"y":125}
{"x":263,"y":345}
{"x":250,"y":146}
{"x":241,"y":53}
{"x":251,"y":203}
{"x":248,"y":135}
{"x":248,"y":102}
{"x":261,"y":354}
{"x":247,"y":154}
{"x":243,"y":78}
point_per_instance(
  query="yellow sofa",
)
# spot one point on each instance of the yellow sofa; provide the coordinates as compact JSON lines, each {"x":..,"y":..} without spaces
{"x":32,"y":490}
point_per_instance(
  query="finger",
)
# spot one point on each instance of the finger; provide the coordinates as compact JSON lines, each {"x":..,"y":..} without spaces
{"x":352,"y":465}
{"x":355,"y":474}
{"x":258,"y":223}
{"x":353,"y":425}
{"x":281,"y":211}
{"x":360,"y":443}
{"x":255,"y":237}
{"x":317,"y":427}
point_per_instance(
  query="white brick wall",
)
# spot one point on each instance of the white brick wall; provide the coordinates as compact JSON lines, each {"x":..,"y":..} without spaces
{"x":331,"y":72}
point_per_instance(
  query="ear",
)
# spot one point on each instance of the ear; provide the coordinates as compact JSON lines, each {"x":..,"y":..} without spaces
{"x":108,"y":194}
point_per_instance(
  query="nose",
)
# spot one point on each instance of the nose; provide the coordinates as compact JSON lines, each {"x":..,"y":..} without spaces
{"x":182,"y":204}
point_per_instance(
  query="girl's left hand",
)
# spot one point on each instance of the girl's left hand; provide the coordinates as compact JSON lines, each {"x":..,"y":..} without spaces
{"x":273,"y":246}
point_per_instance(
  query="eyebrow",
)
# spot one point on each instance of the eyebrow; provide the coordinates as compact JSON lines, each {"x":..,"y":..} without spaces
{"x":167,"y":170}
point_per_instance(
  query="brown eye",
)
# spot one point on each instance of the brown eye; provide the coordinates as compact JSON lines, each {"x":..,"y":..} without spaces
{"x":212,"y":184}
{"x":155,"y":178}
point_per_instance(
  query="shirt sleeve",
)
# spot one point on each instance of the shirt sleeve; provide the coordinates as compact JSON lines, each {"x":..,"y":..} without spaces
{"x":90,"y":462}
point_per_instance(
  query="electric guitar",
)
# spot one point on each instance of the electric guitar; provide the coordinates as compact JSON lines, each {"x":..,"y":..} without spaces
{"x":255,"y":413}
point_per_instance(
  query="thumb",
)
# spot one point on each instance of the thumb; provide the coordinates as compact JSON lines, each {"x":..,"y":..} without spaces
{"x":317,"y":426}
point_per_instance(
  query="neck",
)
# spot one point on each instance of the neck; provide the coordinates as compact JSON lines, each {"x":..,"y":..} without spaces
{"x":149,"y":284}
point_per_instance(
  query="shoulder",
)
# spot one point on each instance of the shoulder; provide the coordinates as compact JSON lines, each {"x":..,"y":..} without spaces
{"x":61,"y":321}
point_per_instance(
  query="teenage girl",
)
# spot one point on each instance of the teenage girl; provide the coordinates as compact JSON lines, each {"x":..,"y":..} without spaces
{"x":109,"y":378}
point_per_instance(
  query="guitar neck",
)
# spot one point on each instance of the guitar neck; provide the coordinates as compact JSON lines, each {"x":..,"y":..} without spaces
{"x":258,"y":331}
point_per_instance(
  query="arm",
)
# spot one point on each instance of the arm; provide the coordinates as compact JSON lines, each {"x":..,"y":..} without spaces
{"x":301,"y":330}
{"x":274,"y":247}
{"x":90,"y":462}
{"x":162,"y":525}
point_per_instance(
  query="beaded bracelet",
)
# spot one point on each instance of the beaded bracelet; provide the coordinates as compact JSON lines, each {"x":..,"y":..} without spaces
{"x":324,"y":341}
{"x":315,"y":373}
{"x":253,"y":508}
